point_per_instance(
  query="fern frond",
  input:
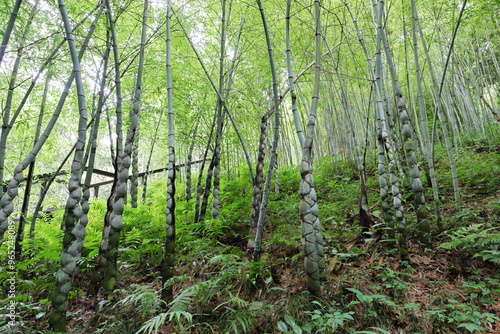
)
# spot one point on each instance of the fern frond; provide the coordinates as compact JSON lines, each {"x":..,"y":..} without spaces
{"x":153,"y":324}
{"x":483,"y":242}
{"x":182,"y":301}
{"x":224,"y":259}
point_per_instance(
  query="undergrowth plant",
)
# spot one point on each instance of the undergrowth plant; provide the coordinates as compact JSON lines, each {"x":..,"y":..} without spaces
{"x":214,"y":298}
{"x":477,"y":240}
{"x":329,"y":319}
{"x":461,"y":315}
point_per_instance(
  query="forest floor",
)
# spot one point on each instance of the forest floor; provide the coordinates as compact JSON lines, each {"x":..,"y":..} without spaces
{"x":452,"y":288}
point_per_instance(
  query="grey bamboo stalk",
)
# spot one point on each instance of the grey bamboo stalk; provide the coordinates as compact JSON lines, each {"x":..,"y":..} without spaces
{"x":9,"y":28}
{"x":478,"y":92}
{"x":134,"y":177}
{"x":398,"y":231}
{"x":220,"y":118}
{"x":115,"y":202}
{"x":200,"y":202}
{"x":400,"y":227}
{"x":439,"y":113}
{"x":364,"y":217}
{"x":221,"y":111}
{"x":44,"y":189}
{"x":230,"y":76}
{"x":136,"y":110}
{"x":417,"y":135}
{"x":111,"y":235}
{"x":189,"y":159}
{"x":148,"y":164}
{"x":8,"y":124}
{"x":312,"y":238}
{"x":383,"y":184}
{"x":409,"y":144}
{"x":169,"y":252}
{"x":206,"y":190}
{"x":265,"y":195}
{"x":259,"y":167}
{"x":214,"y":87}
{"x":423,"y":114}
{"x":6,"y":205}
{"x":6,"y":111}
{"x":74,"y":223}
{"x":293,"y":95}
{"x":37,"y":136}
{"x":90,"y":155}
{"x":257,"y":184}
{"x":116,"y":57}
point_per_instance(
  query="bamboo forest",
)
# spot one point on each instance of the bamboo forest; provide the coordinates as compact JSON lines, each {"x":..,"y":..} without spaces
{"x":250,"y":166}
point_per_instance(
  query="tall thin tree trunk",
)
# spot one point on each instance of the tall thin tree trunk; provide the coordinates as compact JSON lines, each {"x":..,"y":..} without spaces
{"x":29,"y":180}
{"x":312,"y":238}
{"x":439,"y":114}
{"x":258,"y":179}
{"x":423,"y":115}
{"x":383,"y":146}
{"x":267,"y":185}
{"x":107,"y":257}
{"x":293,"y":95}
{"x":169,"y":252}
{"x":409,"y":145}
{"x":189,"y":159}
{"x":220,"y":118}
{"x":148,"y":164}
{"x":8,"y":31}
{"x":134,"y":176}
{"x":75,"y":221}
{"x":6,"y":205}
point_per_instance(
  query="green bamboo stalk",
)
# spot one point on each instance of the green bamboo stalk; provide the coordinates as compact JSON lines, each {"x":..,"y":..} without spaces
{"x":111,"y":234}
{"x":439,"y":112}
{"x":37,"y":136}
{"x":265,"y":195}
{"x":189,"y":159}
{"x":409,"y":146}
{"x":148,"y":164}
{"x":423,"y":115}
{"x":115,"y":202}
{"x":9,"y":29}
{"x":220,"y":118}
{"x":312,"y":237}
{"x":258,"y":180}
{"x":29,"y":180}
{"x":8,"y":124}
{"x":169,"y":252}
{"x":202,"y":209}
{"x":6,"y":201}
{"x":75,"y":221}
{"x":293,"y":95}
{"x":397,"y":228}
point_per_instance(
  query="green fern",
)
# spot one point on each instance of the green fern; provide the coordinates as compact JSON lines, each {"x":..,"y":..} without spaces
{"x":153,"y":324}
{"x":186,"y":298}
{"x":236,"y":315}
{"x":142,"y":297}
{"x":177,"y":308}
{"x":477,"y":239}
